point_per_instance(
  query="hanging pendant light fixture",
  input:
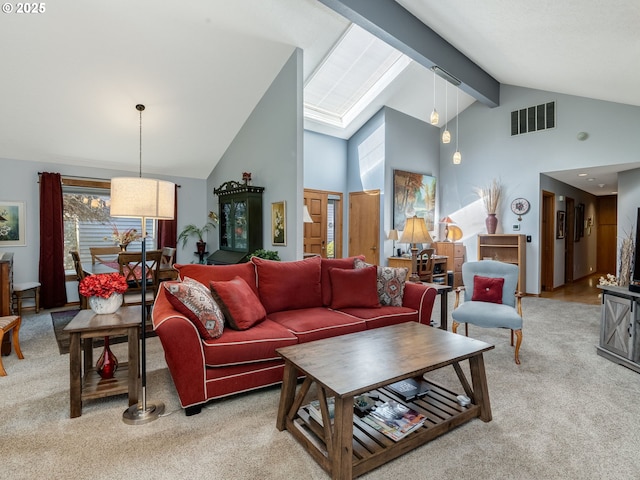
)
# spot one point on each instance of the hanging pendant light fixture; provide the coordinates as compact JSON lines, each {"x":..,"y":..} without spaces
{"x":446,"y":135}
{"x":457,"y":158}
{"x":142,"y":198}
{"x":434,"y":118}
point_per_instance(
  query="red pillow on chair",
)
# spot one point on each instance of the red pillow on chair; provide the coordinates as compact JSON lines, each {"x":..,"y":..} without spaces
{"x":487,"y":289}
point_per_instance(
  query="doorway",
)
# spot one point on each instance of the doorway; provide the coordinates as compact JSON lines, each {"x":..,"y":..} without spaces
{"x":547,"y":241}
{"x":364,"y":225}
{"x":324,"y":236}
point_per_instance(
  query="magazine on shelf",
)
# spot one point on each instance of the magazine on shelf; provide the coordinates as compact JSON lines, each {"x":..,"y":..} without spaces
{"x":316,"y":414}
{"x":410,"y":388}
{"x":394,"y":419}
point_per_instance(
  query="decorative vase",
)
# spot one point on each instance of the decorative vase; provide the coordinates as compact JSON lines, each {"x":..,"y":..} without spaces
{"x":107,"y":364}
{"x":492,"y":223}
{"x":102,"y":305}
{"x":123,"y":247}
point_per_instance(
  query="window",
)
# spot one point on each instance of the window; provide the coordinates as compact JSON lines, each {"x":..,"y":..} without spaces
{"x":87,"y":222}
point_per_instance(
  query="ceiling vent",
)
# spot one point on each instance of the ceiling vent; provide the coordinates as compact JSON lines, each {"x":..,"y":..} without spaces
{"x":533,"y":119}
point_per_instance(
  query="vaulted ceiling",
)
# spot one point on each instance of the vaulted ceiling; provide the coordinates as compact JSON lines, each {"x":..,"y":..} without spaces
{"x":72,"y":75}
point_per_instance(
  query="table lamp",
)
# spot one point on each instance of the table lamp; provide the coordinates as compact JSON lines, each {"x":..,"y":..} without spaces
{"x":393,"y":235}
{"x":415,"y":231}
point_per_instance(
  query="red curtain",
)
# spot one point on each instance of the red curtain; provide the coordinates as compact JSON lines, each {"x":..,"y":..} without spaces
{"x":168,"y":229}
{"x":52,"y":277}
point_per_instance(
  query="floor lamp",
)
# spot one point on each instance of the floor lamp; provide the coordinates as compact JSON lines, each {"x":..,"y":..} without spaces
{"x":415,"y":231}
{"x":142,"y":198}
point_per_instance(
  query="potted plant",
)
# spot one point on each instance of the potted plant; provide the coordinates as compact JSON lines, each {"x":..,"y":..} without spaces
{"x":267,"y":254}
{"x":490,"y":195}
{"x":193,"y":230}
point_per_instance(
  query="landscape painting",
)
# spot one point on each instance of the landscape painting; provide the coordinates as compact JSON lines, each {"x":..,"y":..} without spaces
{"x":413,"y":194}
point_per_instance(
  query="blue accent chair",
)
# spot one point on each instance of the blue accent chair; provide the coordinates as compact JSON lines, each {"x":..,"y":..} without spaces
{"x":489,"y":314}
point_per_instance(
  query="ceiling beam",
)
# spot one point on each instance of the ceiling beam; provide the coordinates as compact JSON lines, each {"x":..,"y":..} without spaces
{"x":389,"y":21}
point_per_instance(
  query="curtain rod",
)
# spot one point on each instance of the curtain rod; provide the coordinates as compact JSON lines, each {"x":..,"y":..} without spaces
{"x":92,"y":178}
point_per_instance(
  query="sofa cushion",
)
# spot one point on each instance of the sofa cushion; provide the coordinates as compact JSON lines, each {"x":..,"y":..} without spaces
{"x":240,"y":305}
{"x":206,"y":273}
{"x":487,"y":289}
{"x":309,"y":324}
{"x":257,"y":344}
{"x":288,"y":285}
{"x":383,"y":316}
{"x":391,"y":282}
{"x":195,"y":302}
{"x":354,"y":288}
{"x":327,"y":264}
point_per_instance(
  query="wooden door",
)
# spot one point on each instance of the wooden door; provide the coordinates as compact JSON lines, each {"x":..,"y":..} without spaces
{"x":547,"y":241}
{"x":315,"y":234}
{"x":607,"y":227}
{"x":364,"y":225}
{"x":569,"y":237}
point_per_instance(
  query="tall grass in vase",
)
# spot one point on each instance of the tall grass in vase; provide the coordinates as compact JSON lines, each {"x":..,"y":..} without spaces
{"x":491,"y":195}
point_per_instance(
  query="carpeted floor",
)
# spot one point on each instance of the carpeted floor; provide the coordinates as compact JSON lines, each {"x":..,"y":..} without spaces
{"x":565,"y":413}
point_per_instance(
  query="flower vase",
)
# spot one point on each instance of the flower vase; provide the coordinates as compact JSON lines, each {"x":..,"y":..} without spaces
{"x":492,"y":223}
{"x":103,"y":306}
{"x":107,"y":364}
{"x":123,"y":247}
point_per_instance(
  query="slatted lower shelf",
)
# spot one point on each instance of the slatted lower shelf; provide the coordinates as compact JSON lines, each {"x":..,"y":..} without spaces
{"x":372,"y":448}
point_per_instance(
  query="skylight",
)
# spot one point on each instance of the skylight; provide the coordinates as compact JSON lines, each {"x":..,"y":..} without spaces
{"x":357,"y":69}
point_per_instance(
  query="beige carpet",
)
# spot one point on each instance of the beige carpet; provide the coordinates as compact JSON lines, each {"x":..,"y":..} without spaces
{"x":564,"y":413}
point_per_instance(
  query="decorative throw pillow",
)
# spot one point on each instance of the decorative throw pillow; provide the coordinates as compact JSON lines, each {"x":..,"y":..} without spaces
{"x":327,"y":264}
{"x":194,"y":301}
{"x":487,"y":289}
{"x":390,"y":282}
{"x":354,"y":288}
{"x":240,"y":305}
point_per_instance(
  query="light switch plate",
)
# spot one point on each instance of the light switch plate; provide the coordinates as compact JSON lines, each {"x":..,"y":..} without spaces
{"x":516,"y":227}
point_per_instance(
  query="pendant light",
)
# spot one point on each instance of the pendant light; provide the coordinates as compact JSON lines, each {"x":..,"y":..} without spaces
{"x":457,"y":158}
{"x":434,"y":118}
{"x":446,"y":135}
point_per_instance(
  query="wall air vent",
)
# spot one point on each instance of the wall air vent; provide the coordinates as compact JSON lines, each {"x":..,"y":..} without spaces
{"x":533,"y":119}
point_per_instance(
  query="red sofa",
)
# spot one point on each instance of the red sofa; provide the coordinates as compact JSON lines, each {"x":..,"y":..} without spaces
{"x":297,"y":297}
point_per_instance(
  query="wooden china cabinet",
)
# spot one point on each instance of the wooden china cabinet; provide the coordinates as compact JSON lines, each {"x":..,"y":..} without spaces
{"x":6,"y":295}
{"x":240,"y":222}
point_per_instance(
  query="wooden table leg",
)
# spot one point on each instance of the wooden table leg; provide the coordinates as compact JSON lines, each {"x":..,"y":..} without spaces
{"x":134,"y":363}
{"x":287,"y":394}
{"x":75,"y":376}
{"x":444,"y":309}
{"x":480,"y":388}
{"x":342,"y":452}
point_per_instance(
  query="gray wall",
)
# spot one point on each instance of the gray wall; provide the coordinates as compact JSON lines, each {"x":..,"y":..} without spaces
{"x":488,"y":151}
{"x":325,"y":162}
{"x":270,"y":146}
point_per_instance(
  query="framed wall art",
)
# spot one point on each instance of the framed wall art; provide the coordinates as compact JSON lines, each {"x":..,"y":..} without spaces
{"x":12,"y":224}
{"x":413,"y":194}
{"x":279,"y":223}
{"x":560,"y":224}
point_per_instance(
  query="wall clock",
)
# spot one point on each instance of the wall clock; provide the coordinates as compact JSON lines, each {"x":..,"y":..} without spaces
{"x":520,"y":206}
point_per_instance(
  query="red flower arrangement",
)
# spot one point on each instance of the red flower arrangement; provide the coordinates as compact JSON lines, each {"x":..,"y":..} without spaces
{"x":103,"y":285}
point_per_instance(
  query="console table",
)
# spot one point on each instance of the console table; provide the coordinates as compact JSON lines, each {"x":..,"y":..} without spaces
{"x":620,"y":326}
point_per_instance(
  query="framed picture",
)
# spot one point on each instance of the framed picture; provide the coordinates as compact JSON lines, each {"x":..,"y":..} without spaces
{"x":12,"y":224}
{"x":560,"y":224}
{"x":413,"y":194}
{"x":279,"y":223}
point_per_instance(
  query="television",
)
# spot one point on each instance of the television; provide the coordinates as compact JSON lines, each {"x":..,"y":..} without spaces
{"x":634,"y":285}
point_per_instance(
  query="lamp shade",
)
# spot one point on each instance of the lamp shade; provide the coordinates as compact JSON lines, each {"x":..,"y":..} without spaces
{"x":137,"y":197}
{"x":306,"y":217}
{"x":393,"y":235}
{"x":455,"y":233}
{"x":415,"y":231}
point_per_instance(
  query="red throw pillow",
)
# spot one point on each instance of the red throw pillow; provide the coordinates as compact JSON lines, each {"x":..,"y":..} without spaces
{"x":326,"y":265}
{"x":240,"y":305}
{"x":487,"y":289}
{"x":354,"y":288}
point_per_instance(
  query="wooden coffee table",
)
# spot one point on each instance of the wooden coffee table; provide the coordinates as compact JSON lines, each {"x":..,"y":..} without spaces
{"x":84,"y":381}
{"x":365,"y":362}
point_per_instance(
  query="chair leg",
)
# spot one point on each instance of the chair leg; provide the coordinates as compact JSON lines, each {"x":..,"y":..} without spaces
{"x":512,"y":337}
{"x":518,"y":343}
{"x":16,"y":340}
{"x":454,"y":327}
{"x":37,"y":299}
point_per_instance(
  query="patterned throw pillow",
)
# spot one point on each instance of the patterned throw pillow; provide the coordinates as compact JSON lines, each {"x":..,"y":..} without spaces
{"x":194,"y":301}
{"x":390,"y":283}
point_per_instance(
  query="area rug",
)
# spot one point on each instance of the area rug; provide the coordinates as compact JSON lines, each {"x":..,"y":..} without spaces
{"x":62,"y":319}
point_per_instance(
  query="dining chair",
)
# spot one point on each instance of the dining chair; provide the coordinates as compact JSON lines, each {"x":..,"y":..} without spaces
{"x":130,"y":266}
{"x":425,"y":265}
{"x":167,"y":272}
{"x":77,"y":264}
{"x":109,"y":252}
{"x":490,"y":299}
